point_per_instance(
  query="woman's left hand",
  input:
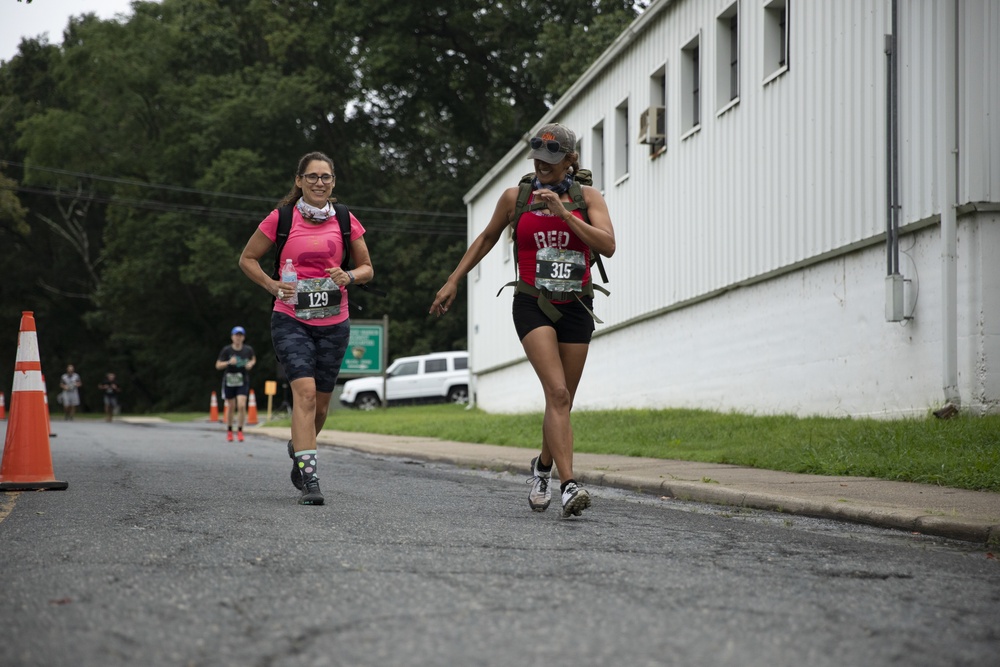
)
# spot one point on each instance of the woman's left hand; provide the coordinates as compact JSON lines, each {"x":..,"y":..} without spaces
{"x":443,"y":299}
{"x":339,"y":276}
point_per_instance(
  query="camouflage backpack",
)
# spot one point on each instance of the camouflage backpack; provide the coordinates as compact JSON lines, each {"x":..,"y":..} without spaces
{"x":577,"y":202}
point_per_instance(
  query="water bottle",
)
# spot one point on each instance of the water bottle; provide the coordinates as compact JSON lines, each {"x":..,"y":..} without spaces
{"x":288,"y":275}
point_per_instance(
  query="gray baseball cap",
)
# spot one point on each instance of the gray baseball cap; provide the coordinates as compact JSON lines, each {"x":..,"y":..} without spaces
{"x":551,"y":143}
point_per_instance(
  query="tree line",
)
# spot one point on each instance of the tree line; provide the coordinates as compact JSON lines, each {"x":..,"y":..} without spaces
{"x":137,"y":158}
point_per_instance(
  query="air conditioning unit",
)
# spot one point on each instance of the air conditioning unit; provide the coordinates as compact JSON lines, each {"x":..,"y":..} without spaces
{"x":651,"y":126}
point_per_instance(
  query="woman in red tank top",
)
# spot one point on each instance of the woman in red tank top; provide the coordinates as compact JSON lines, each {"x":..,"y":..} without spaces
{"x":554,"y":247}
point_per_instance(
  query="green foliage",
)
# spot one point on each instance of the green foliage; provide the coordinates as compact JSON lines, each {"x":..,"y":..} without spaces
{"x":144,"y":153}
{"x":59,"y":137}
{"x":13,"y":215}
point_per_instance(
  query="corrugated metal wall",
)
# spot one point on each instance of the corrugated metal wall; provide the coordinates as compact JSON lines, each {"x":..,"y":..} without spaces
{"x":979,"y":91}
{"x":792,"y":173}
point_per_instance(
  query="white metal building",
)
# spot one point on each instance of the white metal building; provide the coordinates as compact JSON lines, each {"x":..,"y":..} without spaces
{"x":773,"y":256}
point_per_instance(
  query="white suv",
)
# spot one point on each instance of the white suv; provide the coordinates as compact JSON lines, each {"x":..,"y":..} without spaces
{"x":441,"y":376}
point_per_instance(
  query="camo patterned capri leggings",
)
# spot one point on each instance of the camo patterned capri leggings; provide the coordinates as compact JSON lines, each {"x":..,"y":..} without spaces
{"x":307,"y":351}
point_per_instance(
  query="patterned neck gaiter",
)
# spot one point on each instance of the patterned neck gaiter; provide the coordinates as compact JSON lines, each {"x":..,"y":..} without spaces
{"x":558,"y":188}
{"x":312,"y":213}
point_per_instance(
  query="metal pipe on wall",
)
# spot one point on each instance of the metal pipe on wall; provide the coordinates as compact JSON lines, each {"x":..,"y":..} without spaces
{"x":894,"y":283}
{"x":946,"y":101}
{"x":892,"y":144}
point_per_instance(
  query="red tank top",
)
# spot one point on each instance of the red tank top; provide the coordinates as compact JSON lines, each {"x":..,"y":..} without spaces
{"x":549,"y":254}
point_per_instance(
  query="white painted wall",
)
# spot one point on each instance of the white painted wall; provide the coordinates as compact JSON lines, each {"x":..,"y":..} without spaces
{"x":809,"y":342}
{"x":751,"y":261}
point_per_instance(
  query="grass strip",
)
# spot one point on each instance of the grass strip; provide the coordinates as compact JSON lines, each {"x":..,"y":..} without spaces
{"x":962,"y":452}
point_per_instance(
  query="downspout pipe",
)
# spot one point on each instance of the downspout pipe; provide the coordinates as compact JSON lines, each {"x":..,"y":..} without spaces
{"x":894,"y":283}
{"x":946,"y":149}
{"x":892,"y":145}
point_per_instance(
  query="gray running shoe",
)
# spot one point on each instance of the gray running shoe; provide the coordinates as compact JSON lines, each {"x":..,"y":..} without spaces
{"x":296,"y":473}
{"x":540,"y":496}
{"x":311,"y":495}
{"x":574,"y":500}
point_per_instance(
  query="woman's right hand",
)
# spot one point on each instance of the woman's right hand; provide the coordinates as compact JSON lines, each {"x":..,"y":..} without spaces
{"x":444,"y":299}
{"x":286,"y":290}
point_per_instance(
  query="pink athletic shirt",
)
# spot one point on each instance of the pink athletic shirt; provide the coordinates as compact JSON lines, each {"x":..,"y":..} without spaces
{"x":313,"y":248}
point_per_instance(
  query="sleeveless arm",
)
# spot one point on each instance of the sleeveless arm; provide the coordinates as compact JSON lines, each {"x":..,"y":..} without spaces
{"x":476,"y":251}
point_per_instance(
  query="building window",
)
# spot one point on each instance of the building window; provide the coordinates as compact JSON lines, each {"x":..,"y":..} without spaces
{"x":775,"y":38}
{"x":653,"y":121}
{"x":597,"y":155}
{"x":621,"y":141}
{"x":691,"y":86}
{"x":727,"y":44}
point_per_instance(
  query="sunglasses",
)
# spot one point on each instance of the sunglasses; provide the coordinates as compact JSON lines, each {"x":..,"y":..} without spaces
{"x":551,"y":145}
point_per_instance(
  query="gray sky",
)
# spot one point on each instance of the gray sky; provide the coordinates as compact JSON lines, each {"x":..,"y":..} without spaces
{"x":20,"y":19}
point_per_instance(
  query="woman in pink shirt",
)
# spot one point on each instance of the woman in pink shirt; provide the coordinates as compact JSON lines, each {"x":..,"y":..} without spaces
{"x":310,"y":325}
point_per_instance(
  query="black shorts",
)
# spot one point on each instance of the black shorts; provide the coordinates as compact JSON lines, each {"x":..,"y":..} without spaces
{"x":309,"y":351}
{"x":230,"y":393}
{"x":575,"y":326}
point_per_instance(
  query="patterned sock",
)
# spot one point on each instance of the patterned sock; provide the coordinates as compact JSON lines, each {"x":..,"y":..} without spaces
{"x":306,"y":460}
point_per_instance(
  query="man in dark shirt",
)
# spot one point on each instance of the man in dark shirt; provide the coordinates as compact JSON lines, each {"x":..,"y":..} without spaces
{"x":235,"y":361}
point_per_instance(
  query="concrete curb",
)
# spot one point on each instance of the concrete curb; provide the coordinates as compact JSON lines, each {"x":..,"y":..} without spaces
{"x":957,"y":514}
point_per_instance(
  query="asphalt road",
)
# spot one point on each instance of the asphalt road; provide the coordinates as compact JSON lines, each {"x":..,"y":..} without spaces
{"x":173,"y":547}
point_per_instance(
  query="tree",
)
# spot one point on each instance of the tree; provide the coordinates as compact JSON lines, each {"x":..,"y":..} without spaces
{"x":146,"y":151}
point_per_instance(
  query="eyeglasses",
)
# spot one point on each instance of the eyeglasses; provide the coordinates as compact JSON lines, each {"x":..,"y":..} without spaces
{"x":312,"y":178}
{"x":551,"y":145}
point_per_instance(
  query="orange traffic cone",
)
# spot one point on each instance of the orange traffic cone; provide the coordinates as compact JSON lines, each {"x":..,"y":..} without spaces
{"x":3,"y":408}
{"x":213,"y":409}
{"x":252,"y":410}
{"x":225,"y":414}
{"x":27,"y":462}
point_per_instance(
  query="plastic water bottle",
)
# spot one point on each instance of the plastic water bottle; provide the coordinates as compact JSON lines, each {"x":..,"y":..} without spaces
{"x":288,"y":275}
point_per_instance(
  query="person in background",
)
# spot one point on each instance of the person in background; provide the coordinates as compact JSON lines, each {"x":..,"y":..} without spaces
{"x":552,"y":242}
{"x":70,"y":384}
{"x":310,"y":325}
{"x":235,"y":361}
{"x":111,"y":391}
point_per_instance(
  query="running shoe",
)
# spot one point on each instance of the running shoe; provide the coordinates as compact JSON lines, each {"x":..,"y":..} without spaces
{"x":574,"y":500}
{"x":239,"y":436}
{"x":540,"y":496}
{"x":229,"y":436}
{"x":311,"y":494}
{"x":296,"y":473}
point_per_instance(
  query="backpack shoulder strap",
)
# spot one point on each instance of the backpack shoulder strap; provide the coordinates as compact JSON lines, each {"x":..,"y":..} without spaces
{"x":520,"y":208}
{"x":344,"y":219}
{"x":580,"y":204}
{"x":523,"y":194}
{"x":284,"y":226}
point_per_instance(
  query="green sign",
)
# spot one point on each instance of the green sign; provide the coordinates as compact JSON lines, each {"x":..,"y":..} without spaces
{"x":366,"y":351}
